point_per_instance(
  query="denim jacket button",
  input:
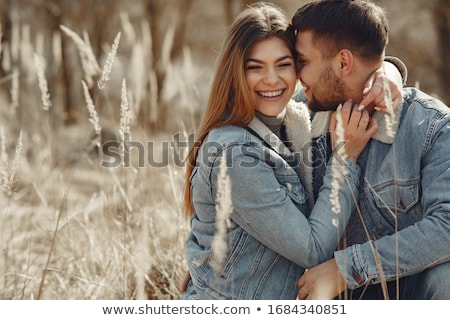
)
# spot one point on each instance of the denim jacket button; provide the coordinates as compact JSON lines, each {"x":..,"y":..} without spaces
{"x":357,"y":277}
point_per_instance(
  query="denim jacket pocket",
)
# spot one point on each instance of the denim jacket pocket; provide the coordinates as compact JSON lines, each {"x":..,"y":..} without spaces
{"x":237,"y":249}
{"x":400,"y":199}
{"x":237,"y":241}
{"x":392,"y":205}
{"x":397,"y":196}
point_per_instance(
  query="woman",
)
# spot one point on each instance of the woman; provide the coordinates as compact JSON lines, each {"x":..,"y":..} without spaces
{"x":272,"y":234}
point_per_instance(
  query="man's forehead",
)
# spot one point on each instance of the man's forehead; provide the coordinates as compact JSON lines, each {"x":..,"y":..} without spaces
{"x":304,"y":42}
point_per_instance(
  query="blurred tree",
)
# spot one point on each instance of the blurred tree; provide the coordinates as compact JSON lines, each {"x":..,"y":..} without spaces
{"x":33,"y":26}
{"x":161,"y":12}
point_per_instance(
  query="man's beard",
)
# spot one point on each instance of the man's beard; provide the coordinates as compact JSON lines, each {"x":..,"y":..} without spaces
{"x":331,"y":93}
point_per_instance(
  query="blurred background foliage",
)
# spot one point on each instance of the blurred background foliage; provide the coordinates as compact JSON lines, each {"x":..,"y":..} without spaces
{"x":168,"y":48}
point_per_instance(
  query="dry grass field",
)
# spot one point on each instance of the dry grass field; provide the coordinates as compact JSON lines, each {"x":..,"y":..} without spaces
{"x":74,"y":224}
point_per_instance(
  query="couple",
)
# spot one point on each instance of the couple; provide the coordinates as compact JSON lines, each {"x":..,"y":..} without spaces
{"x":392,"y":204}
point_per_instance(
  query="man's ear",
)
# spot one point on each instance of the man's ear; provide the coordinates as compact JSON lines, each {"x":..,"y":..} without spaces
{"x":346,"y":61}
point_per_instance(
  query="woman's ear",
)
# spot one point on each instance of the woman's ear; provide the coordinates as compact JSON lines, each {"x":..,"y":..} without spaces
{"x":346,"y":61}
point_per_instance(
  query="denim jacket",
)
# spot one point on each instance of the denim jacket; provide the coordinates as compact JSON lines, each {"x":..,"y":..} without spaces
{"x":405,"y":186}
{"x":269,"y":239}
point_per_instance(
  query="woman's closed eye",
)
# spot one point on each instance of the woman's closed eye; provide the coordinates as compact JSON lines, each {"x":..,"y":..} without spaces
{"x":253,"y":67}
{"x":286,"y":65}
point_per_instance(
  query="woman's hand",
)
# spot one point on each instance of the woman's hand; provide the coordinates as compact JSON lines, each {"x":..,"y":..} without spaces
{"x":357,"y":127}
{"x":383,"y":86}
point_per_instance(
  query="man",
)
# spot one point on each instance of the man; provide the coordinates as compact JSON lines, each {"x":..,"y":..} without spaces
{"x":398,"y":240}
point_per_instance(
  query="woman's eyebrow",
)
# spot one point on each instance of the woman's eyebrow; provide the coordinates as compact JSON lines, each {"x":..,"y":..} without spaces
{"x":278,"y":60}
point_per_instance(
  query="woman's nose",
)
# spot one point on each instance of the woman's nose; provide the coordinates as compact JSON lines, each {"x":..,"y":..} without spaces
{"x":271,"y":77}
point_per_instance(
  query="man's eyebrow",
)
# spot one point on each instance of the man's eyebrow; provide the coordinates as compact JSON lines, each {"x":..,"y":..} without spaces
{"x":278,"y":60}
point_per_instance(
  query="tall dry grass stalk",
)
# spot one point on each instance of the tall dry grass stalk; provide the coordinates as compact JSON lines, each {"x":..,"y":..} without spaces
{"x":125,"y":114}
{"x":89,"y":62}
{"x":339,"y":172}
{"x":15,"y":164}
{"x":224,"y":207}
{"x":338,"y":166}
{"x":93,"y":117}
{"x":390,"y":120}
{"x":127,"y":209}
{"x":39,"y":64}
{"x":46,"y":268}
{"x":4,"y":163}
{"x":109,"y":63}
{"x":8,"y":170}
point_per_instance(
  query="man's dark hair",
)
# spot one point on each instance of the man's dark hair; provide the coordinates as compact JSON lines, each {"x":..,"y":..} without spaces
{"x":357,"y":25}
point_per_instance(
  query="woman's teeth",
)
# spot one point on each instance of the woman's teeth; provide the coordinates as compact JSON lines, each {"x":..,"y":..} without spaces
{"x":270,"y":94}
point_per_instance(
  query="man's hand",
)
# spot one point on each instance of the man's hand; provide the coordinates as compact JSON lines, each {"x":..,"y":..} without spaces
{"x":322,"y":282}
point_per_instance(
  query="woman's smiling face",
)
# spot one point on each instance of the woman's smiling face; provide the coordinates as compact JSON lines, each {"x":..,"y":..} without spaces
{"x":271,"y":75}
